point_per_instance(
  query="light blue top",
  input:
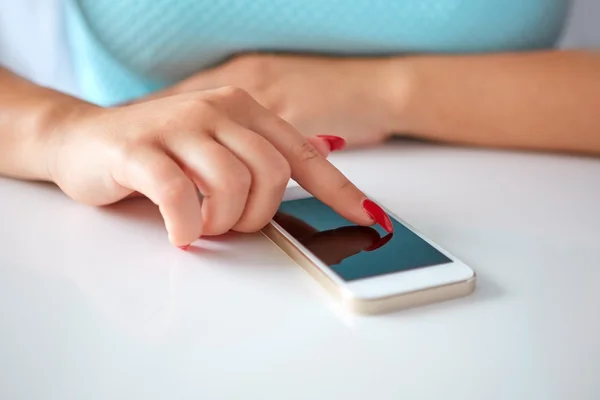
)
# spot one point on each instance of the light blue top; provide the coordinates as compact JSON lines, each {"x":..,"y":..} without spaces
{"x":126,"y":48}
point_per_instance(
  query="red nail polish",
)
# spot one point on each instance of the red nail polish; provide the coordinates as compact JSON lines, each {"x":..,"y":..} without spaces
{"x":378,"y":215}
{"x":187,"y":246}
{"x":335,"y":142}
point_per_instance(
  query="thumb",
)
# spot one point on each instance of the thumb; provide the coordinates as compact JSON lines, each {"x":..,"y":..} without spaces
{"x":326,"y":144}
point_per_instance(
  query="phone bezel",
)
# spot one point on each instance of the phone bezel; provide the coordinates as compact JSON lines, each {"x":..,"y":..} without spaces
{"x":387,"y":285}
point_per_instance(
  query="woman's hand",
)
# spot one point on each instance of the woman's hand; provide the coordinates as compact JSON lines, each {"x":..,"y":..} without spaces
{"x":351,"y":98}
{"x":213,"y":161}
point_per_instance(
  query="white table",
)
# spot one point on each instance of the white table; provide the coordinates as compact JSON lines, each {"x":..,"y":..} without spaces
{"x":95,"y":304}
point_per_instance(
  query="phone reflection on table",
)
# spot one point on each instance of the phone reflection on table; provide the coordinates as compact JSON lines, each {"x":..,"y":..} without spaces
{"x":332,"y":246}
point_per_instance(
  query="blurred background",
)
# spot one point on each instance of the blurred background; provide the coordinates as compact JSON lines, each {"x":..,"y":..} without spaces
{"x":32,"y":38}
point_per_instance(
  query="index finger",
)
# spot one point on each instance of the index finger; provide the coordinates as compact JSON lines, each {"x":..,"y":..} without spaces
{"x":314,"y":172}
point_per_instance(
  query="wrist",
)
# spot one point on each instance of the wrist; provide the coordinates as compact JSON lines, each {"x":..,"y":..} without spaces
{"x":48,"y":126}
{"x":398,"y":91}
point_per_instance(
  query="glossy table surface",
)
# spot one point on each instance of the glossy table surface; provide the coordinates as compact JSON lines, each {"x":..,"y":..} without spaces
{"x":95,"y":304}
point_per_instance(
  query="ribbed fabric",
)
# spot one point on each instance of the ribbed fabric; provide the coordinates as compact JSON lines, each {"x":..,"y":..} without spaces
{"x":126,"y":48}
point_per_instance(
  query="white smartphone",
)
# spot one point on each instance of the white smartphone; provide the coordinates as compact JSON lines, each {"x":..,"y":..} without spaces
{"x":367,"y":269}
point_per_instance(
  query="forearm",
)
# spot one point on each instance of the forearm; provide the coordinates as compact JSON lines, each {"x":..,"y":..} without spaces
{"x":541,"y":101}
{"x":28,"y":115}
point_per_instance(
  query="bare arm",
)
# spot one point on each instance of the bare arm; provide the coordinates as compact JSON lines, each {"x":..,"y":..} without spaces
{"x":220,"y":143}
{"x":540,"y":101}
{"x":28,"y":113}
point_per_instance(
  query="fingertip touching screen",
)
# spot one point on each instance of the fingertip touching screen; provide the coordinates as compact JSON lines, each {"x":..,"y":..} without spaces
{"x":355,"y":252}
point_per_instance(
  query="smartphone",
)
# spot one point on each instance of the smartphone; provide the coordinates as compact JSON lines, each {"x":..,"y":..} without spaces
{"x":368,"y":270}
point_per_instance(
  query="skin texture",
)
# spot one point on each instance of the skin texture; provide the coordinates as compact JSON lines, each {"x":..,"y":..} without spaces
{"x":544,"y":101}
{"x":317,"y":95}
{"x":218,"y":144}
{"x":547,"y":100}
{"x":205,"y":135}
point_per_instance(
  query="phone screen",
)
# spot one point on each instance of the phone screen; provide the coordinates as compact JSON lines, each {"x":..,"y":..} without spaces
{"x":355,"y":252}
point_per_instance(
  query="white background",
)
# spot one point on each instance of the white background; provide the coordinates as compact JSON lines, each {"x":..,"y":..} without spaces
{"x":95,"y":304}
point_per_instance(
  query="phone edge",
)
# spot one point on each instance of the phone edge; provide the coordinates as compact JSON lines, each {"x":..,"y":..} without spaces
{"x":374,"y":306}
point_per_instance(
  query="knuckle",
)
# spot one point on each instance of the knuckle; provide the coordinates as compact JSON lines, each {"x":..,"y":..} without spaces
{"x":174,"y":190}
{"x":280,"y":172}
{"x":235,"y":183}
{"x":195,"y":106}
{"x":305,"y":151}
{"x":192,"y":113}
{"x":234,"y":93}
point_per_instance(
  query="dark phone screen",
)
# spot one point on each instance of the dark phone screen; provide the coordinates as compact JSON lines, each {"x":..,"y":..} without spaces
{"x":355,"y":252}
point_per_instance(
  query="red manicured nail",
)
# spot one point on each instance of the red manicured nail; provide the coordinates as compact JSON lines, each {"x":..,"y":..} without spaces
{"x":335,"y":142}
{"x":187,"y":246}
{"x":378,"y":215}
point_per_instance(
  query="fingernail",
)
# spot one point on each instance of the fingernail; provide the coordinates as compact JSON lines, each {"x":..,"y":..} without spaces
{"x":187,"y":246}
{"x":335,"y":142}
{"x":380,"y":242}
{"x":378,"y":215}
